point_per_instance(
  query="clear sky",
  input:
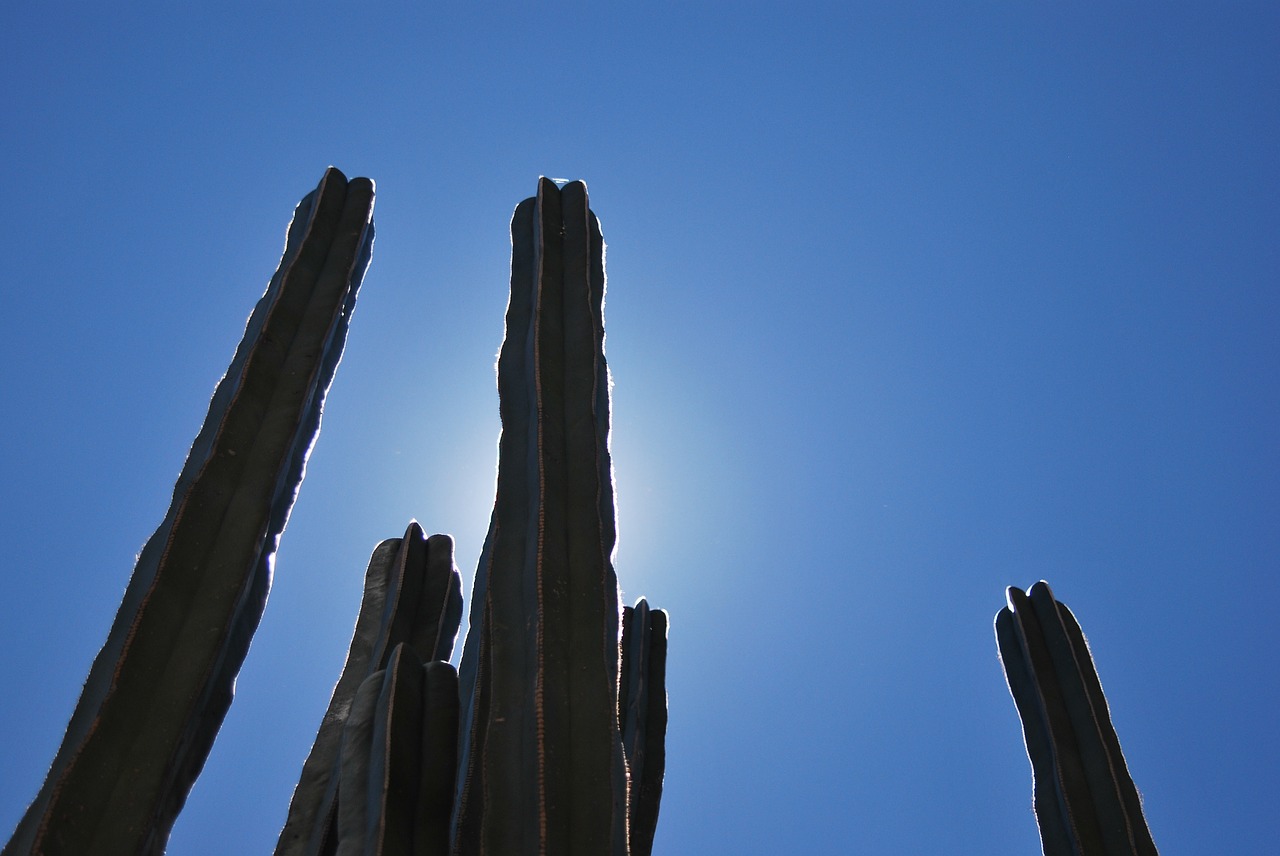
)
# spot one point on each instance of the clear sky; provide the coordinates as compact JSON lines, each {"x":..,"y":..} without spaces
{"x":907,"y":304}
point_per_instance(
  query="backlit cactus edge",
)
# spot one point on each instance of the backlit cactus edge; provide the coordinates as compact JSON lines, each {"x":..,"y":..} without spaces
{"x":549,"y":739}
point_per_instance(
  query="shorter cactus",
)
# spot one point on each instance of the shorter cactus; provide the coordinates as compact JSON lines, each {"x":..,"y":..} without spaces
{"x":1085,"y":801}
{"x":642,"y":717}
{"x":399,"y":753}
{"x":412,"y":602}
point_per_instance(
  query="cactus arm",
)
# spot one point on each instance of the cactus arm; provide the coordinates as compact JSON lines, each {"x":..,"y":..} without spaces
{"x":642,"y":718}
{"x":412,"y":594}
{"x":160,"y":687}
{"x":353,"y":807}
{"x":499,"y":576}
{"x":542,"y":766}
{"x":439,"y":759}
{"x":1085,"y":799}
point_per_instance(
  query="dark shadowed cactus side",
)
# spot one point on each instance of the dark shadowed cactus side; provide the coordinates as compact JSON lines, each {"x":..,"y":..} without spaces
{"x":162,"y":683}
{"x":1086,"y":803}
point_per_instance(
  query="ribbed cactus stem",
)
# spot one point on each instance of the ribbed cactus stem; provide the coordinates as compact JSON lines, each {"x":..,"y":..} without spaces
{"x":1086,"y":803}
{"x":398,"y":760}
{"x":642,"y":717}
{"x":160,"y":686}
{"x":541,"y":763}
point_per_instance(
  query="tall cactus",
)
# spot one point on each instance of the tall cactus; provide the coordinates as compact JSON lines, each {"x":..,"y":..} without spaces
{"x":162,"y":683}
{"x":539,"y":674}
{"x":1085,"y":801}
{"x":550,"y":740}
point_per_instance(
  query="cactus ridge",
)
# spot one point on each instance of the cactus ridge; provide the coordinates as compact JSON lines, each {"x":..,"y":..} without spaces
{"x":354,"y":810}
{"x":438,"y":760}
{"x":642,"y":718}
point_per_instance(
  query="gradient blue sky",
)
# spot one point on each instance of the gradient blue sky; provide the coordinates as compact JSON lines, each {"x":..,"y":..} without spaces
{"x":907,"y":303}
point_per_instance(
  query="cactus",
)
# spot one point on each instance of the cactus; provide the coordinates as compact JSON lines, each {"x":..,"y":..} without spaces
{"x":162,"y":683}
{"x":550,"y":736}
{"x":539,"y":674}
{"x":412,"y":603}
{"x":1085,"y":801}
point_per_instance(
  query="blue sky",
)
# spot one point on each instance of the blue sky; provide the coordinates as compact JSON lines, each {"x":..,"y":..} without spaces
{"x":907,"y":303}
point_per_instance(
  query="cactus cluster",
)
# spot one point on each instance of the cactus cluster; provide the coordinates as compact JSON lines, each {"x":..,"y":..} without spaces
{"x":549,"y":738}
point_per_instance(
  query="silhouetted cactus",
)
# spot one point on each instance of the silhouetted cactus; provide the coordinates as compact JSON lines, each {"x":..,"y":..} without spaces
{"x":1085,"y":801}
{"x":642,"y":717}
{"x":161,"y":685}
{"x":539,"y":675}
{"x":550,"y":737}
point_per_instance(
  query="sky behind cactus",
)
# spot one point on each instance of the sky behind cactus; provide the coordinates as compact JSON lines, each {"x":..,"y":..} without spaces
{"x":907,"y":304}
